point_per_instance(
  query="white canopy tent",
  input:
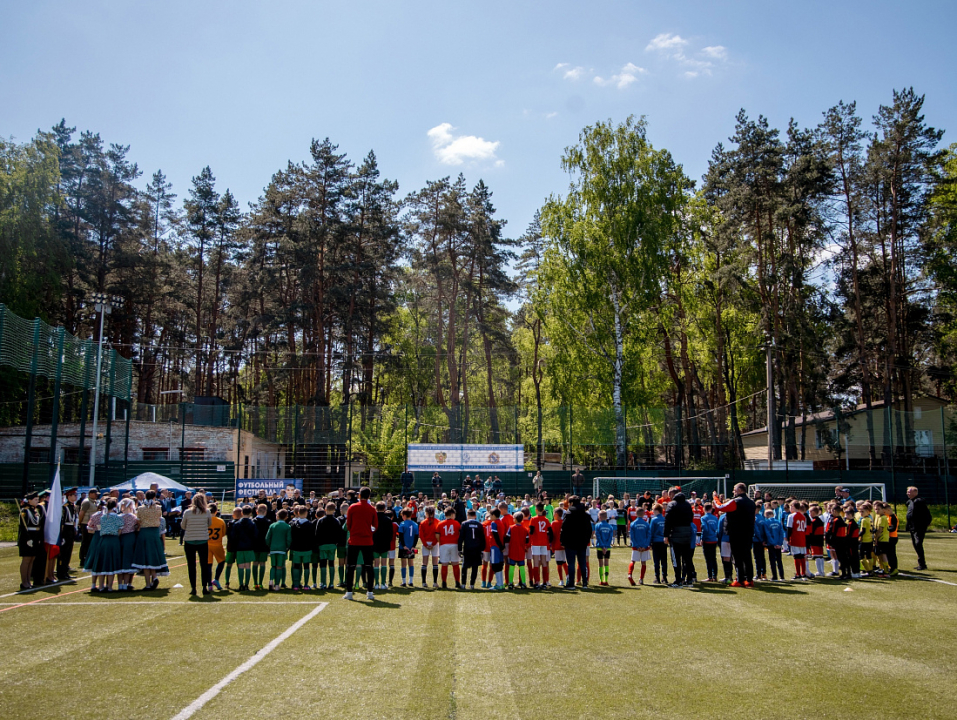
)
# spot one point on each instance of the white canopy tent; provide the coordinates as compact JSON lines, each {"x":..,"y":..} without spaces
{"x":144,"y":480}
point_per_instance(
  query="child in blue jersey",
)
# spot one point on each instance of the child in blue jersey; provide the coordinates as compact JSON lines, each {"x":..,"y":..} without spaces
{"x":408,"y":537}
{"x":709,"y":541}
{"x":785,"y":513}
{"x":639,"y":532}
{"x":604,"y":536}
{"x":757,"y":544}
{"x":774,"y":538}
{"x":659,"y":550}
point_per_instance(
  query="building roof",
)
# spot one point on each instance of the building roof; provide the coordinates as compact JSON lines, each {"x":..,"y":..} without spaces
{"x":828,"y":415}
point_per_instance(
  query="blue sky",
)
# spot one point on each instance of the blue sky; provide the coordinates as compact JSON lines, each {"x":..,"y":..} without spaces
{"x":495,"y":90}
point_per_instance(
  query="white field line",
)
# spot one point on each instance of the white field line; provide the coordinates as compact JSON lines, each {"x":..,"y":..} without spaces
{"x":124,"y":603}
{"x":199,"y":702}
{"x":921,"y":577}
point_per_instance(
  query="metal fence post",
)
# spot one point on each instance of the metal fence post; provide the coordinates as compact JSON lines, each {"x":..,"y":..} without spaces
{"x":943,"y":438}
{"x":129,"y":413}
{"x":31,"y":401}
{"x":55,"y":420}
{"x":84,"y":409}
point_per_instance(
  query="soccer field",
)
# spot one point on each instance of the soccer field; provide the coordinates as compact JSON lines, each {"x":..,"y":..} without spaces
{"x":885,"y":649}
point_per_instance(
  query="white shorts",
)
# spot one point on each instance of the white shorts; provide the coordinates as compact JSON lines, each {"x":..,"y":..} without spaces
{"x":528,"y":553}
{"x":449,"y":554}
{"x":540,"y":551}
{"x":726,"y":550}
{"x":391,"y":554}
{"x":486,"y":556}
{"x":430,"y":551}
{"x":560,"y":556}
{"x":587,"y":552}
{"x":795,"y":550}
{"x":640,"y":555}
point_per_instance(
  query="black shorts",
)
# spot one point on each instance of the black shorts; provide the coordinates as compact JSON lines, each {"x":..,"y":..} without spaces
{"x":883,"y":548}
{"x":406,"y":554}
{"x":867,"y":550}
{"x":603,"y":554}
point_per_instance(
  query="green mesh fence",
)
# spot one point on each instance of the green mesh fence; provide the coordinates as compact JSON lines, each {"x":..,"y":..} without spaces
{"x":32,"y":346}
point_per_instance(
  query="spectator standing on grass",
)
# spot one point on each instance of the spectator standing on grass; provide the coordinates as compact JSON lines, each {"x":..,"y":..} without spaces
{"x":436,"y":485}
{"x":196,"y":522}
{"x":918,"y":520}
{"x":87,"y":508}
{"x":577,"y":480}
{"x":67,"y":535}
{"x":30,"y":539}
{"x":408,"y":481}
{"x":740,"y":526}
{"x":575,"y":537}
{"x":361,"y":522}
{"x":679,"y":519}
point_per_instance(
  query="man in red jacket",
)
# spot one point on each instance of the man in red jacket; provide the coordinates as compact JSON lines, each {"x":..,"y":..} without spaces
{"x":361,"y":522}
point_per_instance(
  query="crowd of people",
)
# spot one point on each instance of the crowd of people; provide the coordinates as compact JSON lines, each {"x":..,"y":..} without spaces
{"x":345,"y":540}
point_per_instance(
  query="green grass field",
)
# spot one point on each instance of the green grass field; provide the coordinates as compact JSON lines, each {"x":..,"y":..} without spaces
{"x":886,"y":649}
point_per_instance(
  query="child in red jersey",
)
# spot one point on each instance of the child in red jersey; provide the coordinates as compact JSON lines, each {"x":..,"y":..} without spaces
{"x":796,"y":534}
{"x":429,"y":535}
{"x":557,"y":548}
{"x":449,"y":550}
{"x":540,"y":540}
{"x":517,"y":539}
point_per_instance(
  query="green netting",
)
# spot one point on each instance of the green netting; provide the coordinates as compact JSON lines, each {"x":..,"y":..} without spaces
{"x":32,"y":346}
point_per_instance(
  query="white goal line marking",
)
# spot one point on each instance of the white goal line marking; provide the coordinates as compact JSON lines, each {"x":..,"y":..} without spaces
{"x":921,"y":577}
{"x":199,"y":702}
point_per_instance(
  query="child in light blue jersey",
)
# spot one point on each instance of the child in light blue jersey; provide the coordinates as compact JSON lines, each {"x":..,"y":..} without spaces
{"x":709,"y":541}
{"x":659,"y":550}
{"x":774,"y":538}
{"x":408,"y":537}
{"x":639,"y":532}
{"x":604,"y":536}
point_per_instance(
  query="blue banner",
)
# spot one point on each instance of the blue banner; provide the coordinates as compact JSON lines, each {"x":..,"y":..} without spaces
{"x":272,"y":486}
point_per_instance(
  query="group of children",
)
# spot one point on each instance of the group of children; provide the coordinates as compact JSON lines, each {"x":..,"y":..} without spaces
{"x":859,"y":539}
{"x":498,"y":540}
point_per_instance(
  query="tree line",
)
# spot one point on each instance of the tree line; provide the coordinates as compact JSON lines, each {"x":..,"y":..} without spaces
{"x":638,"y":290}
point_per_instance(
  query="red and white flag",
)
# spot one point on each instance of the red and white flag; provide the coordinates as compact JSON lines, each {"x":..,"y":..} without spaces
{"x":51,"y":529}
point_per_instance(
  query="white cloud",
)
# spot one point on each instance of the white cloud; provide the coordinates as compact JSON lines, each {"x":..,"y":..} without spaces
{"x":666,"y":41}
{"x":569,"y":72}
{"x":575,"y":73}
{"x":718,"y":52}
{"x":549,"y":116}
{"x":694,"y":63}
{"x":629,"y":74}
{"x":453,"y":149}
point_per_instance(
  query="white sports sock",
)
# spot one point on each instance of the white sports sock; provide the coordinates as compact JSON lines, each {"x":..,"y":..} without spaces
{"x":834,"y":565}
{"x":820,"y":565}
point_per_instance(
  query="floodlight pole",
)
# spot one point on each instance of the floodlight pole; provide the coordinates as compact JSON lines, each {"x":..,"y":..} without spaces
{"x":102,"y":305}
{"x":769,"y":345}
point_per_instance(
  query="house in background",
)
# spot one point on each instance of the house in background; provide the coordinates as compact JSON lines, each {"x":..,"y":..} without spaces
{"x":917,"y":437}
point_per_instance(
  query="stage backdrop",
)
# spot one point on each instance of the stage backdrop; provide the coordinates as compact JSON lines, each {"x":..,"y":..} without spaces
{"x":467,"y":458}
